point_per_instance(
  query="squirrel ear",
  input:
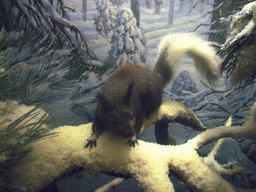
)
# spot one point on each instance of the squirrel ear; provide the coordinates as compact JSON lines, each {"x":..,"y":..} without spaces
{"x":127,"y":97}
{"x":104,"y":102}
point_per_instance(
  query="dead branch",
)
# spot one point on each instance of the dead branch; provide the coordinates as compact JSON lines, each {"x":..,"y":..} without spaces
{"x":202,"y":24}
{"x":208,"y":13}
{"x":109,"y":185}
{"x":220,"y":104}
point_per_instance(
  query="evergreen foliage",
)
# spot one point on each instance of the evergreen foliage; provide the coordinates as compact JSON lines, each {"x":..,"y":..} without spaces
{"x":35,"y":64}
{"x":48,"y":19}
{"x":106,"y":17}
{"x":128,"y":43}
{"x":19,"y":126}
{"x":117,"y":2}
{"x":238,"y":4}
{"x":238,"y":50}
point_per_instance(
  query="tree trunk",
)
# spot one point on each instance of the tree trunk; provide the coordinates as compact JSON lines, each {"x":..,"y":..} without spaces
{"x":84,"y":9}
{"x":171,"y":12}
{"x":4,"y":16}
{"x":158,"y":4}
{"x":181,"y":6}
{"x":149,"y":4}
{"x":135,"y":7}
{"x":218,"y":30}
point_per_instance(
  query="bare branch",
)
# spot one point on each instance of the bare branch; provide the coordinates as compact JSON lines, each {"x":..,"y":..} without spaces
{"x":209,"y":12}
{"x":112,"y":183}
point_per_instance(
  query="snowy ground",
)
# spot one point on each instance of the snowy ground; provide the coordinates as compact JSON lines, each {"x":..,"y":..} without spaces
{"x":154,"y":27}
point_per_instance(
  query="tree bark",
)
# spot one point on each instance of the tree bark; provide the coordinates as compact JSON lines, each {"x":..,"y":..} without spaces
{"x":158,"y":4}
{"x":149,"y":4}
{"x":181,"y":6}
{"x":171,"y":12}
{"x":4,"y":16}
{"x":218,"y":30}
{"x":135,"y":7}
{"x":84,"y":9}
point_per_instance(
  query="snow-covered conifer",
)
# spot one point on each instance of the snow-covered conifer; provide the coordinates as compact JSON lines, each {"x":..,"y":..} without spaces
{"x":128,"y":41}
{"x":105,"y":20}
{"x":118,"y":3}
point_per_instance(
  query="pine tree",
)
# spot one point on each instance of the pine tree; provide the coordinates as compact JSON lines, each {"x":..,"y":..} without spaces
{"x":128,"y":41}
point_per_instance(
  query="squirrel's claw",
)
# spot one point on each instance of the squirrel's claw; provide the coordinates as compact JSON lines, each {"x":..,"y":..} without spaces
{"x":90,"y":143}
{"x":133,"y":141}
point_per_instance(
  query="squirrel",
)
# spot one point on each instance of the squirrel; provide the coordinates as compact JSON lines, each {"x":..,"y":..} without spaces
{"x":133,"y":92}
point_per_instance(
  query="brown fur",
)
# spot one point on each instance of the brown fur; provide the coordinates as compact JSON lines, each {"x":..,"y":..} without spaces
{"x":132,"y":93}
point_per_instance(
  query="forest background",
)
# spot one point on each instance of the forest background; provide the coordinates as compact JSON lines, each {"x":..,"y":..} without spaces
{"x":56,"y":54}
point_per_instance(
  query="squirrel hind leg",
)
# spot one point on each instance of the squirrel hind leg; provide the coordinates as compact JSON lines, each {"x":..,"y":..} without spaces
{"x":151,"y":101}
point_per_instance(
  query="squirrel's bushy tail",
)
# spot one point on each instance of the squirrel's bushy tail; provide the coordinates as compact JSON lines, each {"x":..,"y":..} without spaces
{"x":173,"y":47}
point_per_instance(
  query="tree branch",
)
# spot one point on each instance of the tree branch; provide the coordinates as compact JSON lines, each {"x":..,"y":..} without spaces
{"x":148,"y":163}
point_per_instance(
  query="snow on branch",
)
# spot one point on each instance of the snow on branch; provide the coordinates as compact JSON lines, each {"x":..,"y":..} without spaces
{"x":237,"y":52}
{"x":49,"y":21}
{"x":149,"y":163}
{"x":105,"y":20}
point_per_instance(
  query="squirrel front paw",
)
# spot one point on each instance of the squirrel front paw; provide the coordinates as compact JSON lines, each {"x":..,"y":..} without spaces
{"x":91,"y":143}
{"x":133,"y":141}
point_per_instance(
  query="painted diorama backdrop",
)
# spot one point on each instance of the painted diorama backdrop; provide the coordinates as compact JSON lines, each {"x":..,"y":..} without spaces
{"x":55,"y":56}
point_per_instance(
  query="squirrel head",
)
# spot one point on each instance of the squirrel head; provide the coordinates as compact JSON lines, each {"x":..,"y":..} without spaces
{"x":119,"y":118}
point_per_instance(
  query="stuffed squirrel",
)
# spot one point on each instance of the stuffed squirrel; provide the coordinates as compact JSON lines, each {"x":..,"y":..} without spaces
{"x":133,"y":92}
